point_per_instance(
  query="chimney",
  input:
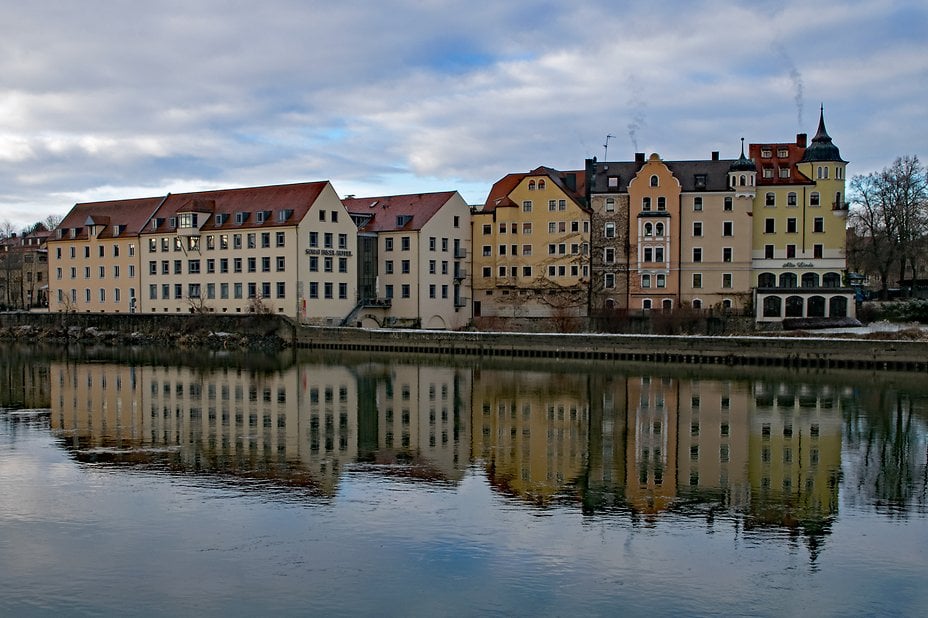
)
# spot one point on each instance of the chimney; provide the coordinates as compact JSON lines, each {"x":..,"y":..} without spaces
{"x":715,"y":155}
{"x":639,"y":157}
{"x":801,"y":139}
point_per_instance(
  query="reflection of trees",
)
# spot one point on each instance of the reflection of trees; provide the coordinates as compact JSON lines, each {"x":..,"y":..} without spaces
{"x":889,"y":434}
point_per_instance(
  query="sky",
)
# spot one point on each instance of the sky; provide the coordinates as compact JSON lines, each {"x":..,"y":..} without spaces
{"x":107,"y":99}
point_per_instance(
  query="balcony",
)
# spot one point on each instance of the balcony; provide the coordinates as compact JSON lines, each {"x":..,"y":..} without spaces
{"x":385,"y":303}
{"x":460,"y":253}
{"x":461,"y":301}
{"x":460,"y":273}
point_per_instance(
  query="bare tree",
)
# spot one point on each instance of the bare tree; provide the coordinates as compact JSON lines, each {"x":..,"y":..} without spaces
{"x":890,"y":218}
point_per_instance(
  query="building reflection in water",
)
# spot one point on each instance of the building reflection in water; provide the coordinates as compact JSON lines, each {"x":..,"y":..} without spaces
{"x":766,"y":454}
{"x":297,"y":426}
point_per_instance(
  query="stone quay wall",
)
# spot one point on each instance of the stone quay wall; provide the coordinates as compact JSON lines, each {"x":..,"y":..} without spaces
{"x":819,"y":352}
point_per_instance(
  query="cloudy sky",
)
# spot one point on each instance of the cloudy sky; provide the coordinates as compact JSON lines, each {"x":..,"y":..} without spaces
{"x":103,"y":98}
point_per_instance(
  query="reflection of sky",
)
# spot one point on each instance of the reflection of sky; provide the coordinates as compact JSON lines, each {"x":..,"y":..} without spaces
{"x":81,"y":538}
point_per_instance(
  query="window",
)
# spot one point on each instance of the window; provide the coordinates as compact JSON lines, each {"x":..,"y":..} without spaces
{"x":791,"y":200}
{"x":697,"y":203}
{"x":562,"y":204}
{"x":648,"y":229}
{"x":728,"y":204}
{"x":314,"y":289}
{"x":314,"y":264}
{"x":502,"y":250}
{"x":280,"y":239}
{"x":404,"y":243}
{"x":646,"y":281}
{"x":552,"y":205}
{"x":662,"y":281}
{"x":266,"y":264}
{"x":818,"y":225}
{"x":252,"y":264}
{"x":178,"y":267}
{"x":609,"y":281}
{"x":609,"y":255}
{"x":648,"y":254}
{"x":727,"y":228}
{"x":697,"y":254}
{"x":388,"y":244}
{"x":609,"y":230}
{"x":768,"y":252}
{"x":697,"y":228}
{"x":646,"y":304}
{"x":527,"y":228}
{"x":769,"y":226}
{"x":527,"y":206}
{"x":662,"y":203}
{"x":655,"y":181}
{"x":697,"y":280}
{"x":610,"y":204}
{"x":404,"y":267}
{"x":327,"y":290}
{"x":818,"y":251}
{"x":404,"y":290}
{"x":790,"y":251}
{"x":784,"y":172}
{"x":487,"y":229}
{"x":237,"y":265}
{"x":236,"y":241}
{"x":193,"y":267}
{"x":791,"y":225}
{"x":224,"y":265}
{"x":814,"y":199}
{"x":770,"y":199}
{"x":726,"y":254}
{"x":646,"y":203}
{"x":726,"y":280}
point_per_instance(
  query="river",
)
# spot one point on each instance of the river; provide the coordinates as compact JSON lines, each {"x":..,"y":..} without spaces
{"x":140,"y":482}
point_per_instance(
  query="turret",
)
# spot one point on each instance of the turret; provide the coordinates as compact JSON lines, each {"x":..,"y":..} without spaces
{"x":742,"y":176}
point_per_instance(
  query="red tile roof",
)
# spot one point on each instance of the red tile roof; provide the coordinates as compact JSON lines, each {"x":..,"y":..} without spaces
{"x":297,"y":198}
{"x":502,"y":188}
{"x":131,"y":213}
{"x":774,"y":162}
{"x":397,"y":212}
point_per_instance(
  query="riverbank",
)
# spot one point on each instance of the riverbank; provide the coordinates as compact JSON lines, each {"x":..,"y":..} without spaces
{"x":895,"y":351}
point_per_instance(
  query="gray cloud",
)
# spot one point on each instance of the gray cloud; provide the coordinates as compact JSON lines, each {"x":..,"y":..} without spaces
{"x":101,"y":96}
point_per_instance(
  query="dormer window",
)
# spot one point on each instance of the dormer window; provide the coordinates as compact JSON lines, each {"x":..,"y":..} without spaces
{"x":222,"y":218}
{"x":264,"y":215}
{"x":784,"y":172}
{"x":283,"y":215}
{"x":402,"y":220}
{"x":766,"y":153}
{"x":241,"y":217}
{"x":188,"y":219}
{"x":613,"y":182}
{"x":783,"y":153}
{"x":172,"y":222}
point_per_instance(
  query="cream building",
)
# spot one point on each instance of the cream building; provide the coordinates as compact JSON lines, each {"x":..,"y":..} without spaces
{"x":415,"y":271}
{"x":94,"y":257}
{"x":285,"y":249}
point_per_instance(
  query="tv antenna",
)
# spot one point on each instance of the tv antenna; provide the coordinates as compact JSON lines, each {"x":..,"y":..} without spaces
{"x":606,"y":146}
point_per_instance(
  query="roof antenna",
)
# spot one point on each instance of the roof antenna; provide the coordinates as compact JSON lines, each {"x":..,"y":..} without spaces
{"x":606,"y":146}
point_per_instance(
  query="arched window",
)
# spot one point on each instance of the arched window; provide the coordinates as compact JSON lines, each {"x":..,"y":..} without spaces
{"x":770,"y":199}
{"x":772,"y":306}
{"x":541,"y":185}
{"x":697,"y":303}
{"x":816,"y":307}
{"x":767,"y":280}
{"x":648,"y":229}
{"x":610,"y":304}
{"x":810,"y":280}
{"x":788,"y":280}
{"x":531,"y":185}
{"x":838,"y":307}
{"x":659,"y":229}
{"x":791,"y":199}
{"x":667,"y":305}
{"x":646,"y":304}
{"x":838,"y":205}
{"x":654,"y":180}
{"x":743,"y":180}
{"x":831,"y":280}
{"x":794,"y":307}
{"x":609,"y":230}
{"x":726,"y":304}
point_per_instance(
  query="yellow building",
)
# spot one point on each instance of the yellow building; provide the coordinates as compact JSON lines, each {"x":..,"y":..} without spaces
{"x":800,"y":217}
{"x":532,"y":249}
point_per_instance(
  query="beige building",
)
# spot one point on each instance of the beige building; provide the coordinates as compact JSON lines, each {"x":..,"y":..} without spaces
{"x":532,"y":249}
{"x":285,"y":249}
{"x":94,"y":257}
{"x":415,"y":265}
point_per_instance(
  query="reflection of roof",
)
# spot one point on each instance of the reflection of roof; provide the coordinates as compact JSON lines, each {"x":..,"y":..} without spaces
{"x":397,"y":212}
